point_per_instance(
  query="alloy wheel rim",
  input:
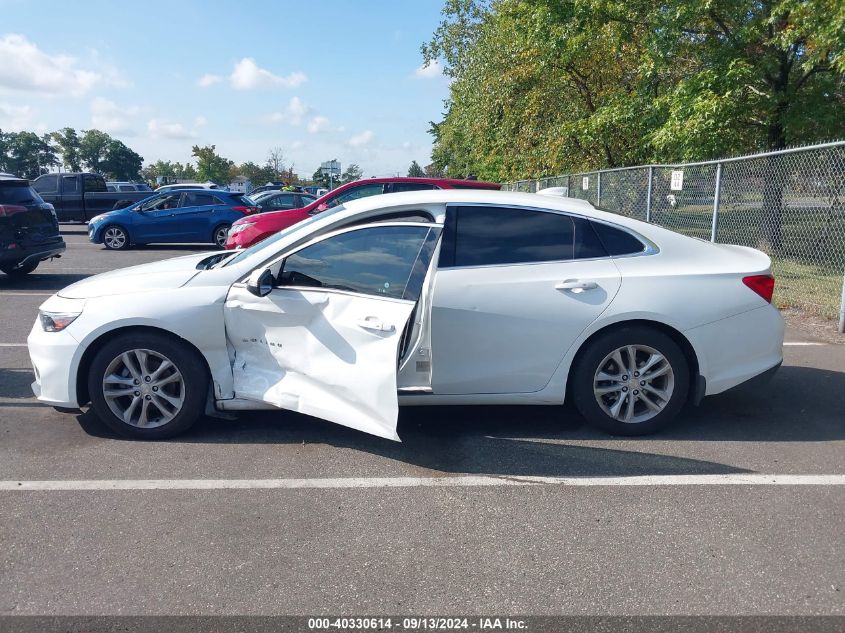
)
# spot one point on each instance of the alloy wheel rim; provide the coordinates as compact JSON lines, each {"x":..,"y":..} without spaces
{"x":143,"y":388}
{"x":221,"y":235}
{"x":115,"y":238}
{"x":634,"y":383}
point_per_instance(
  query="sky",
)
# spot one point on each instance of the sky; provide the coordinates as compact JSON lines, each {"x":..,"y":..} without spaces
{"x":322,"y":80}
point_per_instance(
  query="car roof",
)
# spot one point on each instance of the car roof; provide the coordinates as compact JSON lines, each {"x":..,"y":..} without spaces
{"x":448,"y":182}
{"x":573,"y":206}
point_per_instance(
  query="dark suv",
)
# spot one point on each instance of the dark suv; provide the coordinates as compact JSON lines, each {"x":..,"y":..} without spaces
{"x":29,"y":230}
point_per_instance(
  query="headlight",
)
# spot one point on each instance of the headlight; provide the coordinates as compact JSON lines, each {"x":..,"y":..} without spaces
{"x":237,"y":228}
{"x":56,"y":321}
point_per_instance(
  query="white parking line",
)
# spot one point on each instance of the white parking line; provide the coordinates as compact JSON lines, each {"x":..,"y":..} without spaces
{"x":12,"y":344}
{"x":26,"y":294}
{"x":751,"y":479}
{"x":804,"y":344}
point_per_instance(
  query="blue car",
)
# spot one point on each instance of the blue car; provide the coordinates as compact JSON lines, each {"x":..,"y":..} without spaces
{"x":188,"y":215}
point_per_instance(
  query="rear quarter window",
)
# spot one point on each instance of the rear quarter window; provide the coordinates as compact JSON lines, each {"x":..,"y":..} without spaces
{"x":617,"y":241}
{"x":18,"y":193}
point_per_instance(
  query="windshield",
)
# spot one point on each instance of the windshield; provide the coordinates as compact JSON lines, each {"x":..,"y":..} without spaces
{"x":248,"y":252}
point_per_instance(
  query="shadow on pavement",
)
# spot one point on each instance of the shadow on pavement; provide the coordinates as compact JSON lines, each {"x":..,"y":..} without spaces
{"x":799,"y":405}
{"x":40,"y":281}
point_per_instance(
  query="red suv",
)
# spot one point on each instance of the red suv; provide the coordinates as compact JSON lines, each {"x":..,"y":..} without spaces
{"x":249,"y":230}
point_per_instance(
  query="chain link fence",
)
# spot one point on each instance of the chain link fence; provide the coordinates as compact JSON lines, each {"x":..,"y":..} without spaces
{"x":789,"y":204}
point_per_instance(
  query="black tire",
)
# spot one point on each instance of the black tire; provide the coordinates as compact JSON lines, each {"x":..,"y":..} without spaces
{"x":593,"y":358}
{"x":118,"y":243}
{"x":188,"y":362}
{"x":215,"y":234}
{"x":10,"y":269}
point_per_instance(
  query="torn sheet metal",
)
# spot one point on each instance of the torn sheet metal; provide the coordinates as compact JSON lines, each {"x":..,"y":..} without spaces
{"x":328,"y":354}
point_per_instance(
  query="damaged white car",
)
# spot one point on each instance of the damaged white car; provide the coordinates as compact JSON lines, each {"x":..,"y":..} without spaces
{"x":430,"y":297}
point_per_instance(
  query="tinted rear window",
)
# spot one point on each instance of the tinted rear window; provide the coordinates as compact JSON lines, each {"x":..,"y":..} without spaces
{"x":499,"y":235}
{"x":18,"y":192}
{"x":617,"y":241}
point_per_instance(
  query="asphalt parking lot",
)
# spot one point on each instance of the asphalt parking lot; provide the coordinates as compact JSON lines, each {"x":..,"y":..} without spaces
{"x":447,"y":522}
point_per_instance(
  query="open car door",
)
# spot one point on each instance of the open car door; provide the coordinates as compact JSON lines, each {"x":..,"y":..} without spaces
{"x":319,"y":331}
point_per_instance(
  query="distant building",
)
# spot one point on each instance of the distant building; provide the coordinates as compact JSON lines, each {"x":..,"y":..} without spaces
{"x":241,"y":184}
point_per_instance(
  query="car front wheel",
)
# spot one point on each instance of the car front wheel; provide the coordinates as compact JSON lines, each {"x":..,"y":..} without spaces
{"x":147,"y":385}
{"x":631,"y":381}
{"x":115,"y":238}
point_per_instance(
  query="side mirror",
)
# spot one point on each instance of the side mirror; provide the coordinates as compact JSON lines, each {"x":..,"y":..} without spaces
{"x":260,"y":282}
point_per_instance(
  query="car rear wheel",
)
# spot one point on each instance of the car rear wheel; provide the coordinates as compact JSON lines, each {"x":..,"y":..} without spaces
{"x":631,"y":381}
{"x":147,"y":385}
{"x":10,"y":269}
{"x":221,"y":234}
{"x":115,"y":238}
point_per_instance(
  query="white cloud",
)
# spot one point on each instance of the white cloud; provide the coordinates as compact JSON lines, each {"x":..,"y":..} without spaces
{"x":360,"y":140}
{"x":247,"y":75}
{"x":200,"y":121}
{"x":317,"y":124}
{"x":25,"y":67}
{"x":297,"y":145}
{"x":15,"y":118}
{"x":161,"y":128}
{"x":429,"y":71}
{"x":293,"y":114}
{"x":109,"y":117}
{"x":208,"y":80}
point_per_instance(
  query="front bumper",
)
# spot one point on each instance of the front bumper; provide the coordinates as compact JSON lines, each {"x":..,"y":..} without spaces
{"x":55,"y":359}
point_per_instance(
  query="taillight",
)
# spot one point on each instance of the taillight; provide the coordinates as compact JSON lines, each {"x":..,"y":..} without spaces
{"x":245,"y":210}
{"x":10,"y":209}
{"x":763,"y":285}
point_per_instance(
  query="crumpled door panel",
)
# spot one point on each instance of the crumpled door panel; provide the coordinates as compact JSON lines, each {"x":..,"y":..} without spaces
{"x":328,"y":354}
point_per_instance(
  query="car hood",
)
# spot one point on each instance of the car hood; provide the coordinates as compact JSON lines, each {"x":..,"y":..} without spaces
{"x":108,"y":214}
{"x":167,"y":274}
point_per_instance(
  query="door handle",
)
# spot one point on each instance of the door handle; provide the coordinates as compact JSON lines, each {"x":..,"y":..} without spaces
{"x":576,"y":285}
{"x":373,"y":323}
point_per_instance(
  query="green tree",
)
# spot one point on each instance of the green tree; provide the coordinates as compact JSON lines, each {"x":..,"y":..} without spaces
{"x":93,"y":147}
{"x":27,"y":154}
{"x":210,"y":165}
{"x":69,"y":146}
{"x":120,"y":162}
{"x":257,"y":174}
{"x":352,"y":173}
{"x":549,"y":86}
{"x":415,"y":170}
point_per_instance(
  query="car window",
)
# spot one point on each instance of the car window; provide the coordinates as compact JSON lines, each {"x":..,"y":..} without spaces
{"x":70,"y":184}
{"x":399,"y":187}
{"x":304,"y":200}
{"x":200,"y":199}
{"x":144,"y":188}
{"x":281,"y":202}
{"x":616,"y":241}
{"x":46,"y":184}
{"x":127,"y":188}
{"x":18,"y":192}
{"x":483,"y":236}
{"x":93,"y":184}
{"x":361,"y":191}
{"x":166,"y":201}
{"x":373,"y":261}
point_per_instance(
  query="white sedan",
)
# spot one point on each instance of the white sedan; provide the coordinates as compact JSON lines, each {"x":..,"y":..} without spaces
{"x":429,"y":297}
